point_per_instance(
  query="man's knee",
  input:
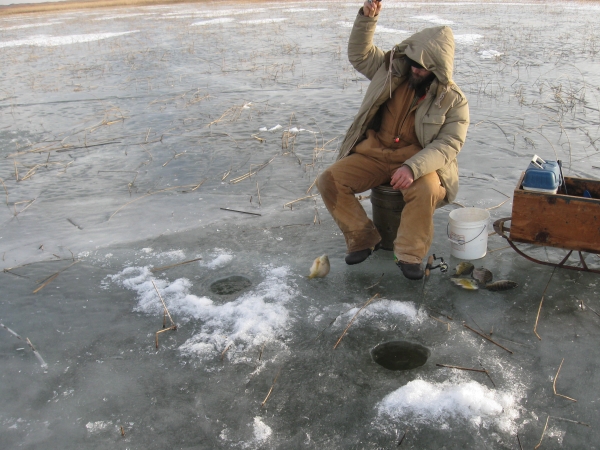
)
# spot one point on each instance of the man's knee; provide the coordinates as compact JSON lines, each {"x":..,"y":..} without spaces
{"x":325,"y":181}
{"x":428,"y":188}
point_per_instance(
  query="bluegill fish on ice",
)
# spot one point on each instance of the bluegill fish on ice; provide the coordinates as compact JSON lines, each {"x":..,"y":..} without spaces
{"x":465,"y":283}
{"x":320,"y":267}
{"x":464,"y":268}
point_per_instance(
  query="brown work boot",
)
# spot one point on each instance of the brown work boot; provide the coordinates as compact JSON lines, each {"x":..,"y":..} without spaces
{"x":360,"y":255}
{"x":411,"y":271}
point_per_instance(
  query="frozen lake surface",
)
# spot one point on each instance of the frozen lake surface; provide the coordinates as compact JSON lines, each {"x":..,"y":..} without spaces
{"x":125,"y":133}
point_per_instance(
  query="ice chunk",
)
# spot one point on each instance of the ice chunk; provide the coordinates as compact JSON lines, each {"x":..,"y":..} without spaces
{"x":262,"y":432}
{"x":490,"y":54}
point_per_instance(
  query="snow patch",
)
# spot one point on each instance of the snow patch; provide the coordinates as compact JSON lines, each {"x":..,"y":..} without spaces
{"x":260,"y":21}
{"x":257,"y":316}
{"x":53,"y":41}
{"x":467,"y":39}
{"x":433,"y":19}
{"x":435,"y":403}
{"x":214,"y":21}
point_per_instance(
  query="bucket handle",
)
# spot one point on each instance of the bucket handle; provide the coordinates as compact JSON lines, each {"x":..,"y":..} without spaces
{"x":454,"y":241}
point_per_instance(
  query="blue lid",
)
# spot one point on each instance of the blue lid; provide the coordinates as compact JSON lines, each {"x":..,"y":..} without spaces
{"x":542,"y":174}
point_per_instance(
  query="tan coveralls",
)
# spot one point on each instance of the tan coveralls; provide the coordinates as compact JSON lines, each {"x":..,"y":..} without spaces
{"x":372,"y":163}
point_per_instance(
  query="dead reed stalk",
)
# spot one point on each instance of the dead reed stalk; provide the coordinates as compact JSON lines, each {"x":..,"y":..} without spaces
{"x":299,"y":199}
{"x":485,"y":336}
{"x":53,"y":277}
{"x":540,"y":307}
{"x":272,"y":387}
{"x":351,"y":321}
{"x":554,"y":383}
{"x":156,"y":269}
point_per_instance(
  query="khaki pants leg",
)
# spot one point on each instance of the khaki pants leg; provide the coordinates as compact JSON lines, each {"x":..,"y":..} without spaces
{"x":351,"y":175}
{"x":415,"y":233}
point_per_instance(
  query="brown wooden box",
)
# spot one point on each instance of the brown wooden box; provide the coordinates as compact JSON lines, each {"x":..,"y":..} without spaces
{"x":558,"y":220}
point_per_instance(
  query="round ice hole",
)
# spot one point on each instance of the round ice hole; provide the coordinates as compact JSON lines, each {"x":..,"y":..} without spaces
{"x":400,"y":355}
{"x":230,"y":285}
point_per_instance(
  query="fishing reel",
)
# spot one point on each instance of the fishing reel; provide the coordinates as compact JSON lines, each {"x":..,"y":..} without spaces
{"x":443,"y":266}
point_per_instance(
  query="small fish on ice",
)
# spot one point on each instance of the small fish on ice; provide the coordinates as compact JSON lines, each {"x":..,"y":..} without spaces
{"x":320,"y":267}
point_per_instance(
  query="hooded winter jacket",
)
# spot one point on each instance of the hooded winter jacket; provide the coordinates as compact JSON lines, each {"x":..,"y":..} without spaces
{"x":441,"y":119}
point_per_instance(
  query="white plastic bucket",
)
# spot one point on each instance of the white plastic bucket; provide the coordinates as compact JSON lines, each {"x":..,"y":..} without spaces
{"x":467,"y":232}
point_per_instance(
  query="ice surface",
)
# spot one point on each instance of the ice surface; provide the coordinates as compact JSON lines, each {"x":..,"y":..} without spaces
{"x":120,"y":151}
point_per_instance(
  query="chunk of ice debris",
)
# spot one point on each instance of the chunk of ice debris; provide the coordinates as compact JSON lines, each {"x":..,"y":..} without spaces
{"x":490,"y":54}
{"x":275,"y":128}
{"x":262,"y":432}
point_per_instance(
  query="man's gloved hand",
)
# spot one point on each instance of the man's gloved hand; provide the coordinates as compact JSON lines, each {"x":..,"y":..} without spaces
{"x":371,"y":9}
{"x":402,"y":178}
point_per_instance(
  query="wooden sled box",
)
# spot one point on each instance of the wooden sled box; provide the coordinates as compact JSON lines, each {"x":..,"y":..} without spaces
{"x":557,"y":220}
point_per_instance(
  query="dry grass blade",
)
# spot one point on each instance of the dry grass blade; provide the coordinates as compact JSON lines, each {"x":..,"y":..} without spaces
{"x":250,"y":173}
{"x":462,"y":368}
{"x":149,"y":194}
{"x":498,"y":249}
{"x":485,"y":336}
{"x":299,"y":199}
{"x":540,"y":307}
{"x":543,"y":432}
{"x":554,"y":383}
{"x":351,"y":321}
{"x":11,"y":331}
{"x":402,"y":439}
{"x":497,"y":206}
{"x":53,"y":277}
{"x":156,"y":269}
{"x":225,"y":351}
{"x":37,"y":355}
{"x":312,"y":184}
{"x":5,"y":190}
{"x":174,"y":327}
{"x":440,"y":321}
{"x":272,"y":387}
{"x":18,"y":203}
{"x":164,"y":305}
{"x":377,"y":282}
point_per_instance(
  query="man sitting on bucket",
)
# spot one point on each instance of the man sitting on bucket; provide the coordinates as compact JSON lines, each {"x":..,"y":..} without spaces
{"x":408,"y":131}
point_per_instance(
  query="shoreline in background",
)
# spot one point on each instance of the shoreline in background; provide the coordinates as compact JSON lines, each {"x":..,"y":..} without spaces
{"x":26,"y":8}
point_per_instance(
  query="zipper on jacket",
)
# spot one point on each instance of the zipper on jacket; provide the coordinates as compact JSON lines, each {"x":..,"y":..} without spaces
{"x":400,"y":126}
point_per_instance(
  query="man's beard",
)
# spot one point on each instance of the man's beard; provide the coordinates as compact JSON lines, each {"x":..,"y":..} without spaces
{"x":420,"y":84}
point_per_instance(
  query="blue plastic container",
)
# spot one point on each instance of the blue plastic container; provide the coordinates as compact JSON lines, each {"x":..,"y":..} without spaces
{"x":542,"y":176}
